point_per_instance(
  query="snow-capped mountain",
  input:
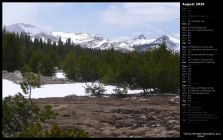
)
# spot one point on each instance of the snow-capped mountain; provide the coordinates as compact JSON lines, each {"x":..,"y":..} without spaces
{"x":94,"y":41}
{"x":171,"y":43}
{"x":21,"y":27}
{"x":83,"y":39}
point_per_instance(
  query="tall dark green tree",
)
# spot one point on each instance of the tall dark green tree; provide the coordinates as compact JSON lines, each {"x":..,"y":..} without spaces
{"x":70,"y":66}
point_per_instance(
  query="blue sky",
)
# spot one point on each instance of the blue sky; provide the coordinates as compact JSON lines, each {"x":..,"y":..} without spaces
{"x":111,"y":20}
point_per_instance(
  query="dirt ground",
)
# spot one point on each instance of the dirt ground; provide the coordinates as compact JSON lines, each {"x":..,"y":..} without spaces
{"x":134,"y":116}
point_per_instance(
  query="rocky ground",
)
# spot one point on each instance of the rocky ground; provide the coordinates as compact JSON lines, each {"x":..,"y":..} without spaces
{"x":133,"y":116}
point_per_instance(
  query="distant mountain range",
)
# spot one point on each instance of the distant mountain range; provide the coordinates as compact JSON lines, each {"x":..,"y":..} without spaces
{"x":139,"y":43}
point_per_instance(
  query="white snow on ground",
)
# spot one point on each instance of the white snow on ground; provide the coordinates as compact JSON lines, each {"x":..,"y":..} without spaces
{"x":60,"y":75}
{"x":10,"y":88}
{"x":54,"y":90}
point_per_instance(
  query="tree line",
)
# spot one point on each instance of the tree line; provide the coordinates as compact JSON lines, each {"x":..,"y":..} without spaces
{"x":158,"y":69}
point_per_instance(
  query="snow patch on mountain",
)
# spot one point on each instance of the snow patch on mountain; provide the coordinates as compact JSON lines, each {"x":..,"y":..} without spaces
{"x":75,"y":37}
{"x":176,"y":41}
{"x":21,"y":27}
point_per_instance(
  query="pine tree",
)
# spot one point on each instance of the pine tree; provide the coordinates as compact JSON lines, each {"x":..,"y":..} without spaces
{"x":70,"y":66}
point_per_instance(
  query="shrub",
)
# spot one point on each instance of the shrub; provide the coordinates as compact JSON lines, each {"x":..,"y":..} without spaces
{"x":120,"y":92}
{"x":35,"y":130}
{"x":55,"y":131}
{"x":19,"y":113}
{"x":94,"y":89}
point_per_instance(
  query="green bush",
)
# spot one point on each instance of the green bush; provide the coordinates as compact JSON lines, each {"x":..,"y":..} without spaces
{"x":94,"y":89}
{"x":36,"y":130}
{"x":19,"y":113}
{"x":57,"y":131}
{"x":120,"y":92}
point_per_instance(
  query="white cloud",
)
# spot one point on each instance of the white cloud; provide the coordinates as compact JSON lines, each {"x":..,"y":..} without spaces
{"x":134,"y":14}
{"x":25,"y":13}
{"x":20,"y":12}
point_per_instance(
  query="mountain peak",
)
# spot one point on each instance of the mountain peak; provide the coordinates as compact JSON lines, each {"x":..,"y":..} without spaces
{"x":171,"y":43}
{"x":164,"y":37}
{"x":25,"y":25}
{"x":22,"y":27}
{"x":141,"y":36}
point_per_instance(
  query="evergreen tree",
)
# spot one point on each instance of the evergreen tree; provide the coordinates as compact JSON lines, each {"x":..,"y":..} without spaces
{"x":70,"y":66}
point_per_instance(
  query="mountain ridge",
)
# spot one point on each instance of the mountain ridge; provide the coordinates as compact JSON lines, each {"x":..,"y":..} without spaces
{"x":95,"y":41}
